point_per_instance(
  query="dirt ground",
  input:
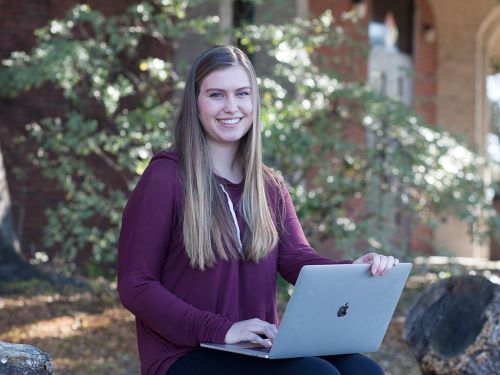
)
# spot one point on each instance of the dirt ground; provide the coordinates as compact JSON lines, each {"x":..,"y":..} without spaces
{"x":86,"y":331}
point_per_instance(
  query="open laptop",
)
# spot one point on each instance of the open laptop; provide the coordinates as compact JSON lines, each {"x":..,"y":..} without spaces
{"x":334,"y":309}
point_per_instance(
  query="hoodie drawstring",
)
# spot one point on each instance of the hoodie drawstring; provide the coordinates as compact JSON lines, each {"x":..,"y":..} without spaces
{"x":233,"y":214}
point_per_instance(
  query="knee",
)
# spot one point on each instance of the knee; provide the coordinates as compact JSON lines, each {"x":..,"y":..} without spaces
{"x":355,"y":364}
{"x":368,"y":365}
{"x":311,"y":366}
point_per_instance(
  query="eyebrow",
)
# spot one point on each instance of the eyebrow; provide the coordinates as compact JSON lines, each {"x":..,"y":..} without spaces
{"x":216,"y":89}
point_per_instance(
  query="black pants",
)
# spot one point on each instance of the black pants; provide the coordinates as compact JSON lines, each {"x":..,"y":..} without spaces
{"x":213,"y":362}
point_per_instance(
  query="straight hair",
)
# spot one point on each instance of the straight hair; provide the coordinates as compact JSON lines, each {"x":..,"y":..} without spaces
{"x":208,"y":230}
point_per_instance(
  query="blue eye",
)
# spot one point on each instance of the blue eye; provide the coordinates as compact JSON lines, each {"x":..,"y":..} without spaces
{"x":244,"y":93}
{"x":216,"y":95}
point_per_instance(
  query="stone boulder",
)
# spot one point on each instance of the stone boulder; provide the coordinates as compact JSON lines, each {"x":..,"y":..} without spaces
{"x":453,"y":327}
{"x":19,"y":359}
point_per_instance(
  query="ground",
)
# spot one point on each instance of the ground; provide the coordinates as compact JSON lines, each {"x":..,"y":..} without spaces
{"x":86,"y":331}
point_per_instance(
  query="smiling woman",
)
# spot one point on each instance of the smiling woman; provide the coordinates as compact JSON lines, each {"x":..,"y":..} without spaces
{"x":225,"y":108}
{"x":207,"y":229}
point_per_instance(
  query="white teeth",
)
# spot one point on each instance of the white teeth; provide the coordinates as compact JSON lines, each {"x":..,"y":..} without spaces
{"x":230,"y":121}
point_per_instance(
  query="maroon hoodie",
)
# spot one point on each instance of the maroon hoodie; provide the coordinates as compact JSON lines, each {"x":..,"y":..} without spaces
{"x":177,"y":306}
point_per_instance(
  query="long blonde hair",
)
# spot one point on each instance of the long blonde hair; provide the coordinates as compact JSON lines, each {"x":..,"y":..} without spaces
{"x":208,"y":229}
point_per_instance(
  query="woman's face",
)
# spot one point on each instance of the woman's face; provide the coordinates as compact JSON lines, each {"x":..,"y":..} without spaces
{"x":225,"y":105}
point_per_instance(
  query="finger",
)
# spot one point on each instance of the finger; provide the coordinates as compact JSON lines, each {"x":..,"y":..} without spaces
{"x":259,"y":326}
{"x":275,"y":329}
{"x":247,"y":329}
{"x":364,"y":259}
{"x":396,"y":261}
{"x":260,"y":340}
{"x":375,"y":264}
{"x":368,"y":258}
{"x":389,"y":265}
{"x":382,"y":265}
{"x":267,"y":331}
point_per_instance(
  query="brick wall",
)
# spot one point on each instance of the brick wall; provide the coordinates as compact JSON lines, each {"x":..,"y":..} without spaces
{"x":459,"y":85}
{"x":424,"y":90}
{"x":425,"y":47}
{"x":352,"y":63}
{"x":425,"y":60}
{"x":457,"y":24}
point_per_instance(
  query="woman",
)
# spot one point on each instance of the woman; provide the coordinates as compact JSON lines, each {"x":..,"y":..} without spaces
{"x":205,"y":232}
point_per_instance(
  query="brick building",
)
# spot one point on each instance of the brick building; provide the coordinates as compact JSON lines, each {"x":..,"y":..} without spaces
{"x":447,"y":45}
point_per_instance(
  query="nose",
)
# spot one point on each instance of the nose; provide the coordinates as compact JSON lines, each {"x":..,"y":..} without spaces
{"x":230,"y":104}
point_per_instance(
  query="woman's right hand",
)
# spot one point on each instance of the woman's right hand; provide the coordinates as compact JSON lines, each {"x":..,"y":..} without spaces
{"x":249,"y":330}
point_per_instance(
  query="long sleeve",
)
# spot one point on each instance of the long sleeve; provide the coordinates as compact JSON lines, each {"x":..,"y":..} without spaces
{"x":145,"y":236}
{"x":294,"y":249}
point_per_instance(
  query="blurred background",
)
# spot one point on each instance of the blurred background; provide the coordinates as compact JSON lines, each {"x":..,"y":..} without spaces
{"x":382,"y":116}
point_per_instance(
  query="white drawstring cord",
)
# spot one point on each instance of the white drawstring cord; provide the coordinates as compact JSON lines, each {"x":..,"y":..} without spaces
{"x":231,"y":208}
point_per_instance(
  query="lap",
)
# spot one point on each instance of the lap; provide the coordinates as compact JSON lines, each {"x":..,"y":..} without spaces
{"x":212,"y":362}
{"x":348,"y":364}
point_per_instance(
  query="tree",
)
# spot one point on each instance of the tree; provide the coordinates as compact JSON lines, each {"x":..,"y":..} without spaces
{"x":120,"y":98}
{"x":12,"y":265}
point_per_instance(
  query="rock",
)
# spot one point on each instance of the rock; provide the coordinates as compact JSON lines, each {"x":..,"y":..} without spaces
{"x":19,"y":359}
{"x":453,"y":327}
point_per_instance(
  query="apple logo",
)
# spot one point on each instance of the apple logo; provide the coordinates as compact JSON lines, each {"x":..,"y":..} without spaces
{"x":343,"y":310}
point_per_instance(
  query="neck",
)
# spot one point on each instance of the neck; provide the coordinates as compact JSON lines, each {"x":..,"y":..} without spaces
{"x":225,"y":161}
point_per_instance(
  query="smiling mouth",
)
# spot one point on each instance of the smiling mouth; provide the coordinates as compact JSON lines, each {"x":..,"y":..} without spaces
{"x":230,"y":122}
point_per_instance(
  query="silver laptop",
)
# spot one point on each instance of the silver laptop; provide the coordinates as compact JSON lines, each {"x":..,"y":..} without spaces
{"x":334,"y":309}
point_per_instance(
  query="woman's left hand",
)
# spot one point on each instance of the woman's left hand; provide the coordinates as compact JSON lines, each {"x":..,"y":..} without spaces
{"x":380,"y":264}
